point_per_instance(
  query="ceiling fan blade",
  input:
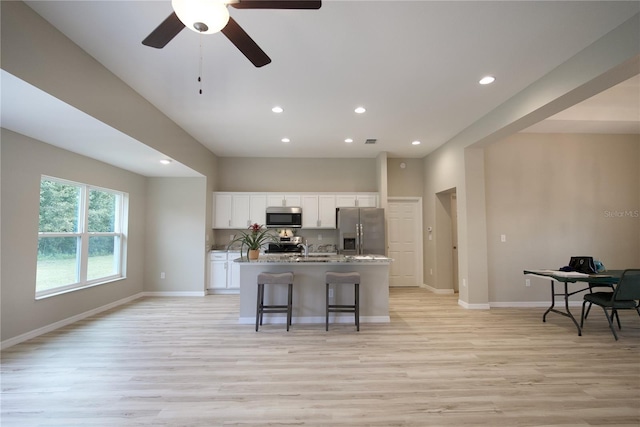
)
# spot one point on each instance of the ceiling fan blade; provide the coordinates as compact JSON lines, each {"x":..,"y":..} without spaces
{"x":166,"y":31}
{"x":245,"y":44}
{"x":277,"y":4}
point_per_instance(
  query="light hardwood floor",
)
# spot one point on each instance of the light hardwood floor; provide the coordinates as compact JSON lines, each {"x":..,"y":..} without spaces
{"x":187,"y":362}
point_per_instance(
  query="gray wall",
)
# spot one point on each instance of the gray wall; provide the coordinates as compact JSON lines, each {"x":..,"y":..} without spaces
{"x":555,"y":196}
{"x":175,"y":207}
{"x":278,"y":174}
{"x":24,"y":160}
{"x":408,"y":181}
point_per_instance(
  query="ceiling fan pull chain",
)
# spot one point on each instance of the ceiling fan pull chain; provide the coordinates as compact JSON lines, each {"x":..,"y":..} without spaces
{"x":200,"y":67}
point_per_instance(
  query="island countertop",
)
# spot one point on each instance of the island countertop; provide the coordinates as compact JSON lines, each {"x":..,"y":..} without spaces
{"x":316,"y":258}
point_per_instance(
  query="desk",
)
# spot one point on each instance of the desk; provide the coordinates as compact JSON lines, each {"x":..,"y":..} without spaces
{"x":610,"y":277}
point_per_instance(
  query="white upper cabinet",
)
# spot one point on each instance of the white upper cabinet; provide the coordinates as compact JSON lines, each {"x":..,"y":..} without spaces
{"x":357,"y":200}
{"x":309,"y":211}
{"x":367,"y":201}
{"x":284,"y":200}
{"x":326,"y":211}
{"x":241,"y":211}
{"x":238,"y":210}
{"x":319,"y":211}
{"x":222,"y":210}
{"x":258,"y":209}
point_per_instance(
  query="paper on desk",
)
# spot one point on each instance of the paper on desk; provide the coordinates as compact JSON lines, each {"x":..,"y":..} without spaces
{"x":561,"y":273}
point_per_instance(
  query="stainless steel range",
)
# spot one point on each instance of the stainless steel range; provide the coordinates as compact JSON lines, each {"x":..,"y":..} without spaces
{"x":287,"y":244}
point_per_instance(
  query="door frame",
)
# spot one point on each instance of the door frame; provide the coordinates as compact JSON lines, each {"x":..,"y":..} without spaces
{"x":444,"y":252}
{"x":419,"y":241}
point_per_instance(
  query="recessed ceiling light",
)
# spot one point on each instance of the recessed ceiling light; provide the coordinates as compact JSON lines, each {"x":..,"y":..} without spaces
{"x":360,"y":110}
{"x":165,"y":161}
{"x":348,"y":140}
{"x":487,"y":80}
{"x":277,"y":109}
{"x":415,"y":143}
{"x":285,"y":140}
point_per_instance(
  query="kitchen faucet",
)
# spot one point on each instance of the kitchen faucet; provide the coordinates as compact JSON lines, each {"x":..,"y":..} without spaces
{"x":305,"y":248}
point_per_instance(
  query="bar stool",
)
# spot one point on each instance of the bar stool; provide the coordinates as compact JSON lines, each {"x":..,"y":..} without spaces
{"x":336,"y":278}
{"x":274,"y":279}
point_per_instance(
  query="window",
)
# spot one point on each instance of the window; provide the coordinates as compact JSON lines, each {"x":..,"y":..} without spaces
{"x":81,"y":236}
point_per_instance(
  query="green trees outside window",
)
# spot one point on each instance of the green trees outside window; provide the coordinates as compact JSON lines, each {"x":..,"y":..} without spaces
{"x":80,"y":236}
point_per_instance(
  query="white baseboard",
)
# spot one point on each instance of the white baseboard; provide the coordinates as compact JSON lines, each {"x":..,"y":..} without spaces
{"x":533,"y":304}
{"x":175,"y":294}
{"x":274,"y":320}
{"x":436,"y":290}
{"x":52,"y":327}
{"x":223,"y":291}
{"x":473,"y":306}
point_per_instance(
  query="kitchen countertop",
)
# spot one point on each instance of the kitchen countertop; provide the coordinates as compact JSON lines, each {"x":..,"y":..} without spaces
{"x":316,"y":258}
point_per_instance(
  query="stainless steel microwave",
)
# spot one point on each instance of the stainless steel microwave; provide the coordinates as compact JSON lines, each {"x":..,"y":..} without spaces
{"x":284,"y":217}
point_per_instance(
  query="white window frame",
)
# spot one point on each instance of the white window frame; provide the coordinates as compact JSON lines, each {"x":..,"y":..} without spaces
{"x":82,"y":261}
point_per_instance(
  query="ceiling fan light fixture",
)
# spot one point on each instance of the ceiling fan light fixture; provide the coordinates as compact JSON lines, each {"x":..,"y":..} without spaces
{"x":202,"y":16}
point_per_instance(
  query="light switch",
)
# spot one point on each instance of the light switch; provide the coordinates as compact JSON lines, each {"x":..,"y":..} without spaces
{"x":503,"y":238}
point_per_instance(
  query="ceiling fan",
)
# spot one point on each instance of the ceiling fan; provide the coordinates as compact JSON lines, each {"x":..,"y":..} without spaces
{"x":211,"y":16}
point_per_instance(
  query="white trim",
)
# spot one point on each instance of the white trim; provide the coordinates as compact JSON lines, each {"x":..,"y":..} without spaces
{"x":473,"y":306}
{"x":226,"y":291}
{"x":438,"y":291}
{"x":175,"y":294}
{"x":333,"y":318}
{"x":52,"y":327}
{"x":533,"y":304}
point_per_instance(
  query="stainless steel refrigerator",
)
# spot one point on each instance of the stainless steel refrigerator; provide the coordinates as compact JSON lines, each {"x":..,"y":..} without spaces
{"x":361,"y":231}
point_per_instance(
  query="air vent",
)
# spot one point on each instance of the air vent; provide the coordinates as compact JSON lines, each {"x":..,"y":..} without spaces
{"x":371,"y":141}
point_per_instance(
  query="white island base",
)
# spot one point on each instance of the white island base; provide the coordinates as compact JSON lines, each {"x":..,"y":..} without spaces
{"x":309,"y":291}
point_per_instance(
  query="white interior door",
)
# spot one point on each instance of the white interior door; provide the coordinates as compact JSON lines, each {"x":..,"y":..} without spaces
{"x":404,"y":220}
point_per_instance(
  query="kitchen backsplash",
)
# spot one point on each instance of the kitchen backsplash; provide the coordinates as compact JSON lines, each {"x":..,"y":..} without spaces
{"x":322,"y":240}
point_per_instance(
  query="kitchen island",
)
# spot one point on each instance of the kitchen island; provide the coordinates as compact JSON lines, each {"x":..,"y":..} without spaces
{"x":309,"y":287}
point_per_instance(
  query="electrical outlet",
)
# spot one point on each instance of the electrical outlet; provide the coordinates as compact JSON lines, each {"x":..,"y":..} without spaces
{"x":431,"y":271}
{"x":319,"y":236}
{"x":231,"y":236}
{"x":527,"y":282}
{"x":330,"y":293}
{"x":162,"y":275}
{"x":464,"y":283}
{"x":503,"y":238}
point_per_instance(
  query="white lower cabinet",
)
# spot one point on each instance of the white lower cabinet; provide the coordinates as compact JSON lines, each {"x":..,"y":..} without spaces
{"x":233,"y":271}
{"x":224,"y":274}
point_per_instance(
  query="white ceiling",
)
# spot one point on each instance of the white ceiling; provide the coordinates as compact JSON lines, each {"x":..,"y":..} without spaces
{"x":413,"y":64}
